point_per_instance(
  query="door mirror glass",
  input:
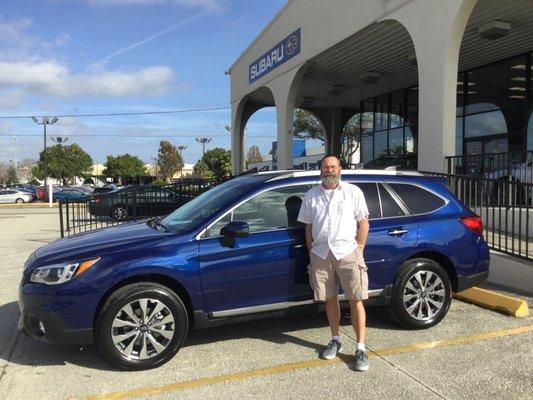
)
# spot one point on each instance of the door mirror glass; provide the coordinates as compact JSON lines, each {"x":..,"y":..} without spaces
{"x":235,"y":229}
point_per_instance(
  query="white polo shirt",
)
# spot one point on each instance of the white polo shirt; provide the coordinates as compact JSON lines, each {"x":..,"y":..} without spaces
{"x":334,"y":215}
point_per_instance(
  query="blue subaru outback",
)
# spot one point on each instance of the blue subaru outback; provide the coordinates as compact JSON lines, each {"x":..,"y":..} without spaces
{"x":238,"y":252}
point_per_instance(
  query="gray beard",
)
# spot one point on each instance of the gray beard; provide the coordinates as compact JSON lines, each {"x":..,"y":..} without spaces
{"x":330,"y":180}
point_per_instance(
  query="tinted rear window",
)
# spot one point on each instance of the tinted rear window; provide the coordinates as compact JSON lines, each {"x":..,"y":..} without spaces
{"x":417,"y":200}
{"x":371,"y":197}
{"x":389,"y":206}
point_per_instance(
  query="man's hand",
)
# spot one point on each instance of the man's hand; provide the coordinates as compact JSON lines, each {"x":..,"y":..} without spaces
{"x":362,"y":232}
{"x":309,"y":236}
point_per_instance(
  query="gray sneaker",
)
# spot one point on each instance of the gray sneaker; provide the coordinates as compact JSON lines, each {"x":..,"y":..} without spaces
{"x":361,"y":360}
{"x":331,"y":350}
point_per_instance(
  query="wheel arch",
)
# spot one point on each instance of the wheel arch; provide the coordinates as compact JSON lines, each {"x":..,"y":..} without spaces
{"x":161,"y":279}
{"x":443,"y":260}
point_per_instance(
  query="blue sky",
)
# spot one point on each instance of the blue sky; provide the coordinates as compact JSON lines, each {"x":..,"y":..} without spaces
{"x":63,"y":57}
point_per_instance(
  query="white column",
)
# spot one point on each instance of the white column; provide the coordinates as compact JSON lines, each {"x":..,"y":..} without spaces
{"x":437,"y":55}
{"x":284,"y":90}
{"x":237,"y":137}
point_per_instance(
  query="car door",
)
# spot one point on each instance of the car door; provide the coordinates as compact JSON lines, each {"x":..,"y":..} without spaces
{"x":267,"y":267}
{"x":392,"y":236}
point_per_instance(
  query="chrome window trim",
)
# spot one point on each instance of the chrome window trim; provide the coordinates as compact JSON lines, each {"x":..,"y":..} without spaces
{"x":200,"y":236}
{"x":277,"y":306}
{"x":398,"y":201}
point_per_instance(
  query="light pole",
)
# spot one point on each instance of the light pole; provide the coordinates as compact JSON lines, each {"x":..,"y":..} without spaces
{"x":180,"y":149}
{"x":15,"y":150}
{"x":44,"y":122}
{"x":60,"y":141}
{"x":203,"y":140}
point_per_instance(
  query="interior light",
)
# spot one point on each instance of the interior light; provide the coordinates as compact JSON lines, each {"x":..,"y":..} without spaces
{"x":514,"y":96}
{"x":521,"y":89}
{"x":518,"y":79}
{"x":518,"y":66}
{"x":494,"y":29}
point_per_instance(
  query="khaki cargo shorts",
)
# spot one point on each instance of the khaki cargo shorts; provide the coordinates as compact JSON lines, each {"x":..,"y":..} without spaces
{"x":350,"y":272}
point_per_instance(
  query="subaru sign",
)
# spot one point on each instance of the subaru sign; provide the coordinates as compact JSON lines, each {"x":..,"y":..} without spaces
{"x":283,"y":51}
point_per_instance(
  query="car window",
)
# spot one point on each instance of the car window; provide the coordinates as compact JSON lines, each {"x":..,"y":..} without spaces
{"x":370,"y":191}
{"x":417,"y":199}
{"x":274,"y":209}
{"x":389,"y":206}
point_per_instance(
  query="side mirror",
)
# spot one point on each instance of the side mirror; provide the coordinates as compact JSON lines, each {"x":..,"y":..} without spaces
{"x":235,"y":229}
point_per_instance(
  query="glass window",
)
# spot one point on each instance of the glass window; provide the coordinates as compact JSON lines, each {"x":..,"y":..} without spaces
{"x":409,"y":140}
{"x":397,"y":108}
{"x":367,"y":123}
{"x":417,"y":200}
{"x":396,"y":141}
{"x":371,"y":197}
{"x":389,"y":206}
{"x":382,"y":113}
{"x":412,"y":106}
{"x":460,"y":94}
{"x":485,"y":124}
{"x":458,"y":136}
{"x":530,"y":132}
{"x":367,"y":147}
{"x":277,"y":208}
{"x":380,"y":144}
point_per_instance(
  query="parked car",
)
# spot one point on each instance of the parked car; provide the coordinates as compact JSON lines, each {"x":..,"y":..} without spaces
{"x":237,"y":252}
{"x":69,"y":195}
{"x":136,"y":201}
{"x":509,"y":186}
{"x":394,"y":162}
{"x":104,"y":189}
{"x":14,"y":196}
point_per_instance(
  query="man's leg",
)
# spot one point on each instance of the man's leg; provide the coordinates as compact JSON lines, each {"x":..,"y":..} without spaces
{"x":334,"y":314}
{"x":358,"y":316}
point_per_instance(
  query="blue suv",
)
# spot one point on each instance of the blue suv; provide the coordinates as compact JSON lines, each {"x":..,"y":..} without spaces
{"x":238,"y":252}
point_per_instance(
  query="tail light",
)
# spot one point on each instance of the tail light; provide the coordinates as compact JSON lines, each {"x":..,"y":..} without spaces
{"x":473,"y":223}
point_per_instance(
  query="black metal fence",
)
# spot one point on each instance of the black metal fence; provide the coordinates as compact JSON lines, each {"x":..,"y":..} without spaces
{"x":128,"y":204}
{"x":514,"y":166}
{"x":505,"y":207}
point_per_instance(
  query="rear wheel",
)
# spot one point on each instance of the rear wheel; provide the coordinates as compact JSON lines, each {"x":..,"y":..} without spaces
{"x":19,"y":200}
{"x":422,"y":294}
{"x":141,"y":326}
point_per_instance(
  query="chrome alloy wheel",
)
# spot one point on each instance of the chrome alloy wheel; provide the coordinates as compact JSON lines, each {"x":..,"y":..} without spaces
{"x":142,"y":329}
{"x":424,"y":295}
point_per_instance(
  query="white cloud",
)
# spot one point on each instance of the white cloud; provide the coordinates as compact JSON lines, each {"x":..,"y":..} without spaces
{"x":11,"y":99}
{"x":16,"y":33}
{"x":52,"y":78}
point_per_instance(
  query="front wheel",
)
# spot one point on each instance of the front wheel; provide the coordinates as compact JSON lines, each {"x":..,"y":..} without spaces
{"x":422,"y":294}
{"x":141,"y":326}
{"x":19,"y":201}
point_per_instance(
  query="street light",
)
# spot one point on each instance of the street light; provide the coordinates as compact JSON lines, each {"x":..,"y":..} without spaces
{"x":60,"y":141}
{"x":203,"y":140}
{"x":44,"y":122}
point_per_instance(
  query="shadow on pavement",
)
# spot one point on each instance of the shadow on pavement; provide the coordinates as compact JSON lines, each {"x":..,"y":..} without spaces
{"x":17,"y":348}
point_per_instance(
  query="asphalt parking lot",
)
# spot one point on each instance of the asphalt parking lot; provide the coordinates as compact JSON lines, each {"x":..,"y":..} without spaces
{"x":473,"y":354}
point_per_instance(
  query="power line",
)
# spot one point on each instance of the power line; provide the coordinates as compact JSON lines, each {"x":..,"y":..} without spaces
{"x":133,"y":136}
{"x":117,"y":114}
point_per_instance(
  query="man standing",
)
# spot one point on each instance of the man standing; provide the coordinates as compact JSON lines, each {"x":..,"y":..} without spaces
{"x":336,"y":230}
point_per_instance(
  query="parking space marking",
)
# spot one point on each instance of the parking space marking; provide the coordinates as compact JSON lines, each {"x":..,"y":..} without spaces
{"x":289,"y":367}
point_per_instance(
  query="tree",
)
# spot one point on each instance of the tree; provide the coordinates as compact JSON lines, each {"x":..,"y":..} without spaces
{"x":123,"y":167}
{"x":351,"y":135}
{"x":63,"y":163}
{"x":11,"y":176}
{"x":254,"y":155}
{"x":218,"y":161}
{"x":169,"y":159}
{"x":307,"y":126}
{"x":201,"y":170}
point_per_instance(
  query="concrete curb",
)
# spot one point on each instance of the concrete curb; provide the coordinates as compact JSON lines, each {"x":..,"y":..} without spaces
{"x":495,"y":301}
{"x":31,"y":205}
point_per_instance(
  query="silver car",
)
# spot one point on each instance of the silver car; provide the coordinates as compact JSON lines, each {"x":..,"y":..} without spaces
{"x":14,"y":196}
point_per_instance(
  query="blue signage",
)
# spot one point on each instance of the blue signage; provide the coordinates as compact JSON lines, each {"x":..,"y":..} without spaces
{"x":283,"y":51}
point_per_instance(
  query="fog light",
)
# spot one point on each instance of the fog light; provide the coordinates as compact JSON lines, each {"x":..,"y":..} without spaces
{"x":41,"y":328}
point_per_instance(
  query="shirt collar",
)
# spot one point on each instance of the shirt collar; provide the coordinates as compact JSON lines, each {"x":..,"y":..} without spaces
{"x":339,"y":186}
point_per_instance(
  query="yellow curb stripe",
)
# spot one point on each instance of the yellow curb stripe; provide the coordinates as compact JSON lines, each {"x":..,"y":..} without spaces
{"x":495,"y":301}
{"x":289,"y":367}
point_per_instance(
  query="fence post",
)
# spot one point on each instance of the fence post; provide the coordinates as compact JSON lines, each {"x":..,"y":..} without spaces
{"x":68,"y":216}
{"x":61,"y":219}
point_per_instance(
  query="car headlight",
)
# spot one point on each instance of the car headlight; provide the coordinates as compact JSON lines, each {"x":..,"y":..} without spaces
{"x":60,"y":273}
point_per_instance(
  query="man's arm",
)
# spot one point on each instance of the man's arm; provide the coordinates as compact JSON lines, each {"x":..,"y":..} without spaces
{"x":309,"y":236}
{"x":362,"y":232}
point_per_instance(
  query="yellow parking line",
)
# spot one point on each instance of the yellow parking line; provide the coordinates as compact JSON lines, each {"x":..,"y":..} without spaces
{"x":279,"y":369}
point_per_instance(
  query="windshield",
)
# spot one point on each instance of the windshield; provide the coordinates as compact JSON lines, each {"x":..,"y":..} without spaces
{"x":207,"y":204}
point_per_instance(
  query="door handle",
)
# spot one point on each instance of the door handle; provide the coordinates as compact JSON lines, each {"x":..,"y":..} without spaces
{"x":398,"y":232}
{"x":299,"y":246}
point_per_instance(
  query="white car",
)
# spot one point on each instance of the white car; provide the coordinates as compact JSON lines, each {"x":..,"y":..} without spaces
{"x":522,"y":172}
{"x":14,"y":196}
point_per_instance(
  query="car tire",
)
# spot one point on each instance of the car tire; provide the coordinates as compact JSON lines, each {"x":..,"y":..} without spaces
{"x":421,"y":295}
{"x":119,"y":212}
{"x":19,"y":200}
{"x":131,"y":343}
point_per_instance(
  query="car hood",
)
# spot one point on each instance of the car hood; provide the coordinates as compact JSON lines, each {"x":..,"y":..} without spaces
{"x":99,"y":242}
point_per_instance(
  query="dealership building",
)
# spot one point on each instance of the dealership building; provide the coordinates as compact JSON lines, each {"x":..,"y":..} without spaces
{"x":432,"y":77}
